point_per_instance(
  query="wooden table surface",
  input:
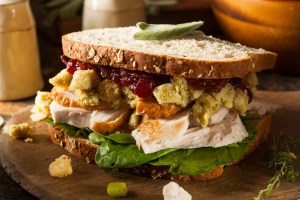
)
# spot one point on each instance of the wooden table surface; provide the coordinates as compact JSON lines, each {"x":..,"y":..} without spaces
{"x":9,"y":189}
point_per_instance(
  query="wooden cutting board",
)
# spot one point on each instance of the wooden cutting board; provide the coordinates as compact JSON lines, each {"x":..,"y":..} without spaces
{"x":27,"y":164}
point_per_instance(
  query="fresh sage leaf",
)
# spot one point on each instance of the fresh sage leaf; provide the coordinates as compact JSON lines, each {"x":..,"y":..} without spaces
{"x":163,"y":31}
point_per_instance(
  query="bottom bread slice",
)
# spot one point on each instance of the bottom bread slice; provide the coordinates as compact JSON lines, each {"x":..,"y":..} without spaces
{"x":84,"y":149}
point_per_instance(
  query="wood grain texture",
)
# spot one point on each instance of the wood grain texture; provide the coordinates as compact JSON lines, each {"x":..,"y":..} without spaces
{"x":8,"y":107}
{"x":27,"y":163}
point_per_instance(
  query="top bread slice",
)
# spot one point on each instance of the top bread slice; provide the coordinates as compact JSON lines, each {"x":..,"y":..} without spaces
{"x":191,"y":56}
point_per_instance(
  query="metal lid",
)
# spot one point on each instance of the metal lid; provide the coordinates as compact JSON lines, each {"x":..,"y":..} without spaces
{"x":6,"y":2}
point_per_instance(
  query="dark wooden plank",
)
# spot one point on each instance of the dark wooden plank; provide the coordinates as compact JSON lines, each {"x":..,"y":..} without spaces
{"x":9,"y":189}
{"x":27,"y":163}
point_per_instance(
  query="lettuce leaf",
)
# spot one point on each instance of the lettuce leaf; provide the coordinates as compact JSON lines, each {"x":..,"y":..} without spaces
{"x":118,"y":137}
{"x":119,"y":150}
{"x":111,"y":155}
{"x":202,"y":160}
{"x":68,"y":129}
{"x":97,"y":138}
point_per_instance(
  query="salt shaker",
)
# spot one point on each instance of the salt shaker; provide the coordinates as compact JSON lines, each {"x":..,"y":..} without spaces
{"x":20,"y":73}
{"x":112,"y":13}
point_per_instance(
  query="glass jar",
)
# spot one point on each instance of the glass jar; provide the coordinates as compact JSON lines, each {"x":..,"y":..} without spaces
{"x":20,"y":74}
{"x":112,"y":13}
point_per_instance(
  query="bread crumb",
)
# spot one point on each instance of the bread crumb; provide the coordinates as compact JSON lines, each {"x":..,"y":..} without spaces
{"x":110,"y":92}
{"x":210,"y":103}
{"x":130,"y":98}
{"x":18,"y":131}
{"x":41,"y":108}
{"x":61,"y":167}
{"x":175,"y":92}
{"x":84,"y":79}
{"x":88,"y":97}
{"x":240,"y":102}
{"x":62,"y":79}
{"x":172,"y":191}
{"x":28,"y":140}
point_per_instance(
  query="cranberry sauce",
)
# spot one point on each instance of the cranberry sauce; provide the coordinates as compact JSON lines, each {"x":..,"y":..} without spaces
{"x":216,"y":85}
{"x":142,"y":83}
{"x":212,"y":85}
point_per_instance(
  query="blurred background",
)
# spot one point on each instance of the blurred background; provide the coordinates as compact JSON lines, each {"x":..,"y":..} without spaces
{"x":272,"y":25}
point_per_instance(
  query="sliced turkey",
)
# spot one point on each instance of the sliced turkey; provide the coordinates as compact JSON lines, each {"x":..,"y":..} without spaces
{"x":108,"y":121}
{"x":176,"y":132}
{"x":101,"y":121}
{"x":77,"y":117}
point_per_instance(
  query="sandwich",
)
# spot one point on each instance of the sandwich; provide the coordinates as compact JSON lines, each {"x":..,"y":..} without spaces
{"x":179,"y":108}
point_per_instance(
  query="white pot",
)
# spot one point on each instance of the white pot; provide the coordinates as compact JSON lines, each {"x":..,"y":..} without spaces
{"x":112,"y":13}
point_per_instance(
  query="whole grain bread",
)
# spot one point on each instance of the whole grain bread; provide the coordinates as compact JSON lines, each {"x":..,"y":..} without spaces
{"x":84,"y":149}
{"x":192,"y":56}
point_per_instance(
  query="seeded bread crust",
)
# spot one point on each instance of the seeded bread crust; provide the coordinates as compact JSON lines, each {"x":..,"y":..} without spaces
{"x":85,"y":47}
{"x":78,"y":146}
{"x":86,"y":150}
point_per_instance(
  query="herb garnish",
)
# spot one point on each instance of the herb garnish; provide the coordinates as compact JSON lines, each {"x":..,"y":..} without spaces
{"x":282,"y":162}
{"x":165,"y":31}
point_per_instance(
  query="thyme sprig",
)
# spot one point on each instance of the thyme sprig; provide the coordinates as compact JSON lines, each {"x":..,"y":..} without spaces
{"x":282,"y":163}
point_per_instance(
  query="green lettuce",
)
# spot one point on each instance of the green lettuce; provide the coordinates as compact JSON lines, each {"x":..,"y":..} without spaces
{"x":118,"y":137}
{"x":202,"y":160}
{"x":97,"y":138}
{"x":112,"y":156}
{"x":119,"y":150}
{"x":68,"y":129}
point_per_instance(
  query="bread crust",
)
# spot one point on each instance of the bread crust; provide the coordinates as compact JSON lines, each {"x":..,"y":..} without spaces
{"x":262,"y":133}
{"x":86,"y":150}
{"x":78,"y":146}
{"x":167,"y":64}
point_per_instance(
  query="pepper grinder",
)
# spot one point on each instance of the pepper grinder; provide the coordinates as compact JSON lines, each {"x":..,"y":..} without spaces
{"x":20,"y":73}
